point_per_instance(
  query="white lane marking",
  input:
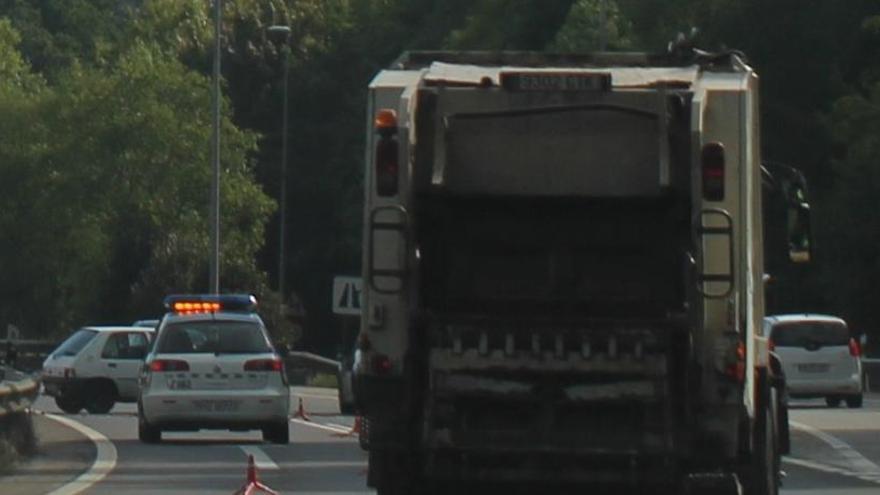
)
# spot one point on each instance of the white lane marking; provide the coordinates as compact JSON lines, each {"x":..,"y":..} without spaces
{"x":321,"y":426}
{"x":829,"y":469}
{"x":337,"y":425}
{"x":858,"y":464}
{"x":261,"y":459}
{"x":105,"y":460}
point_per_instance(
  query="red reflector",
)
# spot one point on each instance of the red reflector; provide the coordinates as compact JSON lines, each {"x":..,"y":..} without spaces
{"x":713,"y":171}
{"x":382,"y":364}
{"x":737,"y":369}
{"x":264,"y":365}
{"x":855,"y":350}
{"x":160,"y":365}
{"x":387,"y":166}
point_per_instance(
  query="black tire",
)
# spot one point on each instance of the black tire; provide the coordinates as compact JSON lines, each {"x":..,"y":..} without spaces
{"x":346,"y":409}
{"x":784,"y":431}
{"x":364,"y":435}
{"x":854,"y":401}
{"x":832,"y":401}
{"x":71,"y":404}
{"x":100,"y":398}
{"x":147,"y":433}
{"x":764,"y":472}
{"x":394,"y":474}
{"x":277,"y":433}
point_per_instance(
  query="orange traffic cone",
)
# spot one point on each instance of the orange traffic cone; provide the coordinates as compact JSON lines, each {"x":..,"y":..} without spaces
{"x":301,"y":412}
{"x":355,"y":429}
{"x":253,"y":484}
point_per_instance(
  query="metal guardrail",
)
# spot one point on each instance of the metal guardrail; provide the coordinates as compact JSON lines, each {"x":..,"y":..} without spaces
{"x":303,"y":366}
{"x":31,"y":353}
{"x":17,"y":392}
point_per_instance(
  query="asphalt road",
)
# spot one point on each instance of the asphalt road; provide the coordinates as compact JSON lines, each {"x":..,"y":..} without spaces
{"x":835,"y":452}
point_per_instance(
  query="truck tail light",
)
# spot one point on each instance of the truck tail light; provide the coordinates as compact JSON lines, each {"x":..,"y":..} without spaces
{"x":387,"y":158}
{"x":855,"y":350}
{"x":162,"y":365}
{"x":264,"y":365}
{"x":737,"y":369}
{"x":382,"y":364}
{"x":713,"y":171}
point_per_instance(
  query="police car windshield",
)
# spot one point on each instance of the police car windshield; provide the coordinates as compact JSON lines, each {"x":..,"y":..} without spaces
{"x":226,"y":337}
{"x":75,"y":343}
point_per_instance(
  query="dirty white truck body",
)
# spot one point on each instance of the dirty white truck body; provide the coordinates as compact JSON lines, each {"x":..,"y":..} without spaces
{"x":563,"y":271}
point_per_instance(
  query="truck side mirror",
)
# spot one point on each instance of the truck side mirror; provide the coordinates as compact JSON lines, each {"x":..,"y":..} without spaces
{"x":800,"y":246}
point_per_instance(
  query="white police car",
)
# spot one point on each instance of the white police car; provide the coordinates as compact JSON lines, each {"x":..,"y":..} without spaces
{"x":213,"y":366}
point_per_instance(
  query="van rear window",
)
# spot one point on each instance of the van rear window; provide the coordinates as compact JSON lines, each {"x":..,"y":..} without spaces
{"x":75,"y":343}
{"x":801,"y":334}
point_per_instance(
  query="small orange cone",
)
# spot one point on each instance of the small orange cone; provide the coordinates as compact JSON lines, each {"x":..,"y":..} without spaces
{"x":301,"y":412}
{"x":355,"y":429}
{"x":253,"y":484}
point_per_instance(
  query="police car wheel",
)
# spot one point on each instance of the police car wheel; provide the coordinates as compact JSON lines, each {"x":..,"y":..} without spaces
{"x":147,"y":433}
{"x":277,"y":433}
{"x":69,"y":403}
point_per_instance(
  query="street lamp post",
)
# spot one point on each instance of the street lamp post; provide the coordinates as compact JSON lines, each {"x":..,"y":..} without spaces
{"x":282,"y":226}
{"x":214,"y":262}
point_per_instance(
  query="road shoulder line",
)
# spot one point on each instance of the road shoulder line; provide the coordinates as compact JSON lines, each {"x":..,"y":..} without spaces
{"x":105,"y":459}
{"x":321,"y":426}
{"x":859,"y":466}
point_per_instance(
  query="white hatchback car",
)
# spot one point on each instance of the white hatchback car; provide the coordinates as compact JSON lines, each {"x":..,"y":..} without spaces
{"x":96,"y":367}
{"x":819,"y":357}
{"x":213,"y":366}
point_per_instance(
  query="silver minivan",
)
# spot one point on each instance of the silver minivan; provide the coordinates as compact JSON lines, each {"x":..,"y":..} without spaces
{"x":819,"y":356}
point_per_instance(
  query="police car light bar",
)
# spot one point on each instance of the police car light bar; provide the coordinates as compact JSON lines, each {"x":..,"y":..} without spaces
{"x":210,"y":303}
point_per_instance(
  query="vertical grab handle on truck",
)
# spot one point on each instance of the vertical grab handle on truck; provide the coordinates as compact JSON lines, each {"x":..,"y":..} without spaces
{"x":376,"y":224}
{"x":725,"y":230}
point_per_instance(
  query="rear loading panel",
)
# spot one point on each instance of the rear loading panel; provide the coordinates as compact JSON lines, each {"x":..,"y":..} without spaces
{"x":523,"y":399}
{"x":557,"y":332}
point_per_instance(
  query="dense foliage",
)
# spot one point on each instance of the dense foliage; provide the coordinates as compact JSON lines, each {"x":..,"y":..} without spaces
{"x":105,"y":131}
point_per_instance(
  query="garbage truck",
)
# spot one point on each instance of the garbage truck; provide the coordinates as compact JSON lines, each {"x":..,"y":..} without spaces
{"x":564,"y":277}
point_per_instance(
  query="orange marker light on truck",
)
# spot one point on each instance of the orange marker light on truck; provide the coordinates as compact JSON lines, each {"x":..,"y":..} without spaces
{"x":386,"y":121}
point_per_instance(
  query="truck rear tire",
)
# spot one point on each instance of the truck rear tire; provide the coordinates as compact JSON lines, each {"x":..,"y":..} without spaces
{"x":393,"y":474}
{"x":764,"y":470}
